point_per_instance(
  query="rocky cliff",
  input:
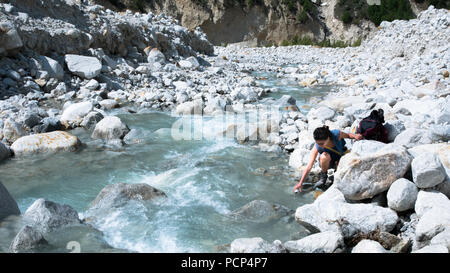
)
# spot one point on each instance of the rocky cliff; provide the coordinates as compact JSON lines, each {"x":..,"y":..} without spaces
{"x":259,"y":22}
{"x":226,"y":21}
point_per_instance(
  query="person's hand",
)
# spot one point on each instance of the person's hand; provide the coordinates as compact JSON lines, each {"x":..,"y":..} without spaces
{"x":358,"y":136}
{"x":298,"y":187}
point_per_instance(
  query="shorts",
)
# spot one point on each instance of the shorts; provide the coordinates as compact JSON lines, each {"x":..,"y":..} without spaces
{"x":334,"y":161}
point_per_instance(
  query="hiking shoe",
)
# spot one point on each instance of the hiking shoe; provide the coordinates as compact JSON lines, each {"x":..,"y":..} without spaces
{"x":322,"y":180}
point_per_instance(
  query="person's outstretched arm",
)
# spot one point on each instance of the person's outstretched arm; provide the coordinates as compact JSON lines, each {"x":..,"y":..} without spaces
{"x":350,"y":135}
{"x":314,"y":153}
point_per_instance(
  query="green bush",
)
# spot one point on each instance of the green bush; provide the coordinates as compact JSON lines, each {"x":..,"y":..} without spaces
{"x":308,"y":6}
{"x":439,"y":4}
{"x":302,"y":17}
{"x":357,"y":42}
{"x":351,"y":11}
{"x":291,"y":5}
{"x":390,"y":10}
{"x":285,"y":43}
{"x":346,"y":17}
{"x":138,"y":5}
{"x":306,"y":40}
{"x":252,"y":3}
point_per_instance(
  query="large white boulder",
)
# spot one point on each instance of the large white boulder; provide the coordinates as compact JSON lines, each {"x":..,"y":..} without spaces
{"x":330,"y":212}
{"x":73,"y":115}
{"x":402,"y":195}
{"x":427,"y":170}
{"x":413,"y":136}
{"x":369,"y":246}
{"x":110,"y":127}
{"x":323,"y":242}
{"x":84,"y":66}
{"x":429,"y":199}
{"x":433,"y":209}
{"x":46,"y":142}
{"x":370,"y":168}
{"x":299,"y":158}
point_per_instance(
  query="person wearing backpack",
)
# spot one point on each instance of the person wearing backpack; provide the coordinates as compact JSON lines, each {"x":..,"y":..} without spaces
{"x":372,"y":128}
{"x":331,"y":147}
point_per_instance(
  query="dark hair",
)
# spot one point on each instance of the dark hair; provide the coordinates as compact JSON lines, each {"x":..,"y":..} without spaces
{"x":377,"y":115}
{"x":322,"y":133}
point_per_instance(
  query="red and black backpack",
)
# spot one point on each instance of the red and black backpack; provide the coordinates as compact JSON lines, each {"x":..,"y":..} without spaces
{"x":372,"y":127}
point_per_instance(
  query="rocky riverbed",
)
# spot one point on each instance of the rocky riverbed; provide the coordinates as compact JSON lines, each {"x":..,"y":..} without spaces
{"x":94,"y":62}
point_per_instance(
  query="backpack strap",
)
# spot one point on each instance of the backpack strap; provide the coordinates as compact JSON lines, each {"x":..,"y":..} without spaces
{"x":331,"y":149}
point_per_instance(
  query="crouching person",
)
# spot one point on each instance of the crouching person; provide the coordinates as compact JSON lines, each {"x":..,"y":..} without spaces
{"x":331,"y":146}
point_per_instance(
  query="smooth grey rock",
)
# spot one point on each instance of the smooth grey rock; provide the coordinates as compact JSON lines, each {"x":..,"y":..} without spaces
{"x":31,"y":119}
{"x":394,"y":127}
{"x":48,"y":216}
{"x":369,"y":246}
{"x":260,"y":211}
{"x":13,"y":130}
{"x":8,"y":206}
{"x":9,"y":37}
{"x":135,"y":136}
{"x":49,"y":124}
{"x":92,"y":85}
{"x":427,"y":170}
{"x":52,"y":67}
{"x":156,"y":56}
{"x":402,"y":247}
{"x":110,"y":127}
{"x":370,"y":168}
{"x":46,"y":142}
{"x":4,"y":152}
{"x":91,"y":119}
{"x":115,"y":195}
{"x":323,"y":242}
{"x":402,"y":195}
{"x":28,"y":240}
{"x":190,"y":63}
{"x":84,"y":66}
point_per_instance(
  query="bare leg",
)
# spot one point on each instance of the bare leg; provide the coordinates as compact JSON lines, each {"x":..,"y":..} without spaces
{"x":325,"y":160}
